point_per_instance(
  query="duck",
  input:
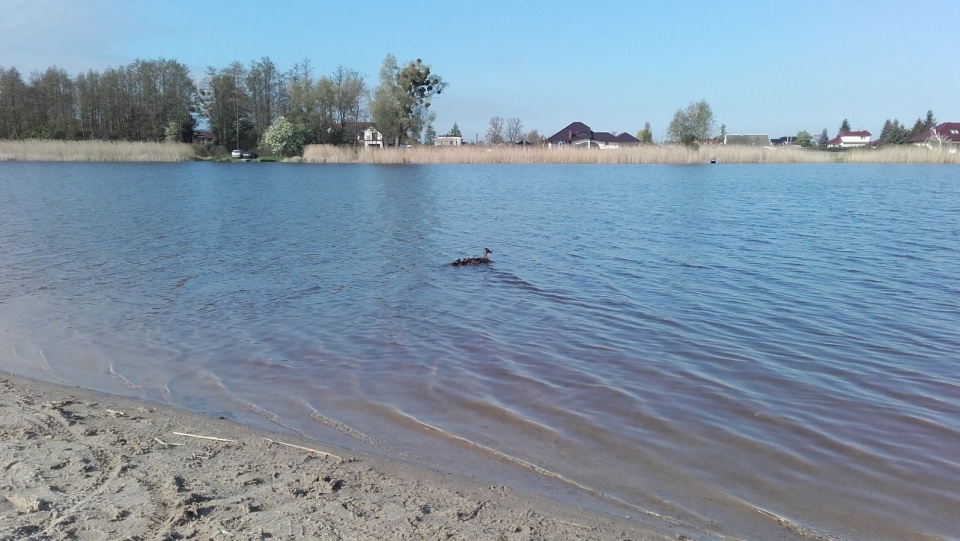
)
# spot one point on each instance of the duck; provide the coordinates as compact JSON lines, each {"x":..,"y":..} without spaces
{"x":474,"y":260}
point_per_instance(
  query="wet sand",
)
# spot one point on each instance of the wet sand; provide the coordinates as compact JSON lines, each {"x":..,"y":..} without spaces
{"x":78,"y":464}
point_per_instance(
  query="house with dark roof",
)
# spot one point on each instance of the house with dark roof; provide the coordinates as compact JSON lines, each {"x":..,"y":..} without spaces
{"x":942,"y":135}
{"x":204,"y":137}
{"x":579,"y":134}
{"x":850,"y":139}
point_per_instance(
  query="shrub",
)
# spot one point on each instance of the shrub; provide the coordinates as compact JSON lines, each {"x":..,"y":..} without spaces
{"x":285,"y":138}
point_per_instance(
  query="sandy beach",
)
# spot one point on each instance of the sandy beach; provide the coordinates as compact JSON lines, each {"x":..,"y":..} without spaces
{"x":78,"y":464}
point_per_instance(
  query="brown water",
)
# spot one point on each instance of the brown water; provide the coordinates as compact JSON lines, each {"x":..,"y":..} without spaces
{"x":756,"y":352}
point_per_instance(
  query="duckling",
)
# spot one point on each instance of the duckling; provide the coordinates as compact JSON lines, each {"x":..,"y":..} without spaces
{"x":474,"y":260}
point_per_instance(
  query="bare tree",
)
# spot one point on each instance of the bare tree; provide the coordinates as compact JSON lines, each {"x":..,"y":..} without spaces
{"x":514,"y":130}
{"x":349,"y":91}
{"x":495,"y":131}
{"x":261,"y":80}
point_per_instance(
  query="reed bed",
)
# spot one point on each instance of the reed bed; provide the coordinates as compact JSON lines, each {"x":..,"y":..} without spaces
{"x":648,"y":154}
{"x":93,"y":151}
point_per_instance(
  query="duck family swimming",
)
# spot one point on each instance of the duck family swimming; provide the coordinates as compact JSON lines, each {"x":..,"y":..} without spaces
{"x":474,"y":260}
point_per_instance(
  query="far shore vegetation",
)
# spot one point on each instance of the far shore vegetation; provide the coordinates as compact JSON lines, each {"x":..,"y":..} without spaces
{"x":155,"y":110}
{"x":121,"y":151}
{"x":94,"y":151}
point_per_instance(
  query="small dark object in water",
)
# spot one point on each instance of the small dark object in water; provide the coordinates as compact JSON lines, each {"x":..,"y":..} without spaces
{"x":474,"y":260}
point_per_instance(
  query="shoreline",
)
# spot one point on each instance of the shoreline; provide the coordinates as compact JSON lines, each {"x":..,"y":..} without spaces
{"x":81,"y":464}
{"x":107,"y":151}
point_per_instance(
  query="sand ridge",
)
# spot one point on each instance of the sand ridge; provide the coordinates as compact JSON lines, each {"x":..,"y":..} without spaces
{"x":83,"y":465}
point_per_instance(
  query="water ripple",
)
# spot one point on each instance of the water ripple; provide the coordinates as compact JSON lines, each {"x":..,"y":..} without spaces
{"x":696,"y":344}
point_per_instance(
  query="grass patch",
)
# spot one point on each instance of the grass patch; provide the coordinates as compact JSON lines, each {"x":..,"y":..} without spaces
{"x":93,"y":151}
{"x":647,"y":154}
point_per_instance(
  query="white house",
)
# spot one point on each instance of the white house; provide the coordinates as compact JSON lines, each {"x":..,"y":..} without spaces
{"x":370,"y":136}
{"x":850,"y":139}
{"x":448,"y":141}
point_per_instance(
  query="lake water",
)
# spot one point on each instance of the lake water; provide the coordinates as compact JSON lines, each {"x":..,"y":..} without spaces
{"x":720,"y":346}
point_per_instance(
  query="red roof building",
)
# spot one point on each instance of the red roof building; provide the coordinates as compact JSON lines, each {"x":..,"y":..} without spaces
{"x":850,"y":139}
{"x":947,"y":133}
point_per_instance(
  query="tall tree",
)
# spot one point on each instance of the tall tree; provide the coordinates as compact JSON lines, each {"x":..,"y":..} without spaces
{"x":845,"y":125}
{"x":224,"y":101}
{"x":893,"y":133}
{"x":924,"y":124}
{"x":350,"y":90}
{"x":823,"y":139}
{"x":13,"y":104}
{"x":513,"y":130}
{"x":930,"y":121}
{"x":646,"y":134}
{"x":401,"y":103}
{"x":495,"y":131}
{"x":804,"y":139}
{"x":455,"y":131}
{"x":51,"y":106}
{"x":262,"y":81}
{"x":387,"y":107}
{"x":693,"y":124}
{"x":300,"y":93}
{"x":429,"y":135}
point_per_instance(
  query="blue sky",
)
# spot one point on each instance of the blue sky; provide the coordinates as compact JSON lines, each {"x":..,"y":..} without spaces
{"x":764,"y":66}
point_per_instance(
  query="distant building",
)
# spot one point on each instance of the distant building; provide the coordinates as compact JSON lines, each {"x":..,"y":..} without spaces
{"x":754,"y":140}
{"x":364,"y":134}
{"x":850,"y":139}
{"x":203,"y":137}
{"x":579,"y":134}
{"x":783,"y":141}
{"x":448,"y":141}
{"x":946,"y":134}
{"x":369,"y":136}
{"x":625,"y":139}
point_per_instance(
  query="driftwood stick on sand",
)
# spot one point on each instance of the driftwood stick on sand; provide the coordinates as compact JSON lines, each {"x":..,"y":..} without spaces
{"x":167,"y":444}
{"x":204,"y":437}
{"x":331,"y":455}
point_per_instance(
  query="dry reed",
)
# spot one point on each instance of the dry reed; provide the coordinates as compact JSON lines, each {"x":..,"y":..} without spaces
{"x":93,"y":151}
{"x":648,"y":154}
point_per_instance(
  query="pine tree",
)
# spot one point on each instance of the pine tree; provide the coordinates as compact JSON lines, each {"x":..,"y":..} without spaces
{"x":823,"y":139}
{"x":930,"y":122}
{"x":455,"y":131}
{"x":885,"y":133}
{"x":918,"y":128}
{"x":845,"y":125}
{"x":429,"y":135}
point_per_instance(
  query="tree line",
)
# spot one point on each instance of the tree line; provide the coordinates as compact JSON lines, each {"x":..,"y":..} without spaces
{"x":146,"y":100}
{"x":696,"y":123}
{"x":157,"y":100}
